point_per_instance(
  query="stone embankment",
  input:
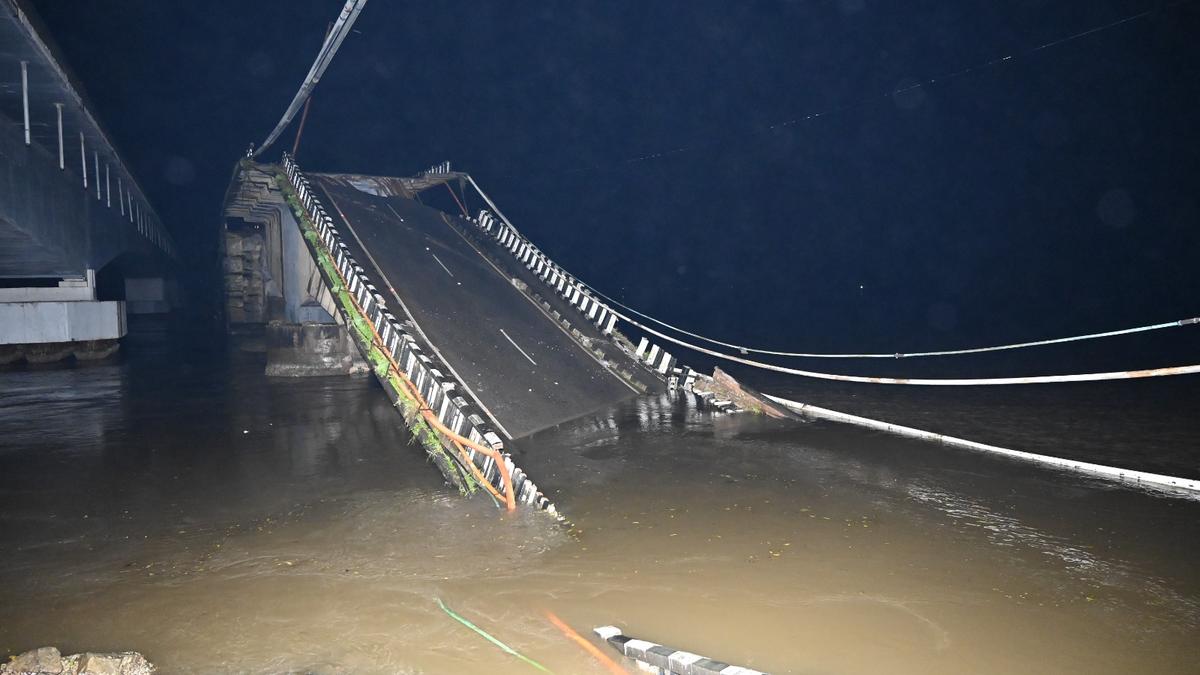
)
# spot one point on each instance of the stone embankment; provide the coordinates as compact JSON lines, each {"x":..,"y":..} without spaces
{"x":48,"y":661}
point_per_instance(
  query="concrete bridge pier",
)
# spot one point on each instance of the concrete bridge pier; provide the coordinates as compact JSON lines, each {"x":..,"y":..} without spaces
{"x":45,"y":320}
{"x":272,"y":284}
{"x":78,"y":238}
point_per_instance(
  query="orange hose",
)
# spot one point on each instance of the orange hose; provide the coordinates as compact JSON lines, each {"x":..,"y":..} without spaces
{"x":510,"y":501}
{"x":487,"y":484}
{"x":604,"y":659}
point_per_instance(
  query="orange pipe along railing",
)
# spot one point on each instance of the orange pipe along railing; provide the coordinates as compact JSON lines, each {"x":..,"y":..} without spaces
{"x":510,"y":501}
{"x":509,"y":497}
{"x":604,"y":659}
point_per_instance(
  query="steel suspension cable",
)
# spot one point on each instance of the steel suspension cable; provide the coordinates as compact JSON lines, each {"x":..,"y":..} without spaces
{"x":333,"y":40}
{"x":820,"y":355}
{"x":1041,"y":379}
{"x":1038,"y":379}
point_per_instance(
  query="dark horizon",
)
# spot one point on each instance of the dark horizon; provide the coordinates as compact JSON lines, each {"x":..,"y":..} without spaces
{"x":1046,"y":195}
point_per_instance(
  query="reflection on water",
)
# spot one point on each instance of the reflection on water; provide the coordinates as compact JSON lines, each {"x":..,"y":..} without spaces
{"x":182,"y":504}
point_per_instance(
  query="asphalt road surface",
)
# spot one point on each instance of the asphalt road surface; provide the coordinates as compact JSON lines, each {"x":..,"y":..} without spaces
{"x":527,"y":373}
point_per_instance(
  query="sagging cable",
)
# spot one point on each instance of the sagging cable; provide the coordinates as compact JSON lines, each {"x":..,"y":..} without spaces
{"x":1039,"y":379}
{"x":333,"y":40}
{"x":818,"y":355}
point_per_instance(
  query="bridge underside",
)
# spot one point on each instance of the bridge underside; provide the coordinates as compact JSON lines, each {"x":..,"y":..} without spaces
{"x":521,"y":365}
{"x":80,"y":246}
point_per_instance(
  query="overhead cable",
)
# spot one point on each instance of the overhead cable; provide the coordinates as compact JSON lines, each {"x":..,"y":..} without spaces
{"x":1037,"y":379}
{"x":329,"y":48}
{"x":902,"y":355}
{"x":1040,"y":379}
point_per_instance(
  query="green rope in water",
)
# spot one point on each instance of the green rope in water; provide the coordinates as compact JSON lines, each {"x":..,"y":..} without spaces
{"x":489,"y":638}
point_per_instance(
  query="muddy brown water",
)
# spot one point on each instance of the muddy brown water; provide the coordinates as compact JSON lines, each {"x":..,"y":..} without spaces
{"x":180,"y":503}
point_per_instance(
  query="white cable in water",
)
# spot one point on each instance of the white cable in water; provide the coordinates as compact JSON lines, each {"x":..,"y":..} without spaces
{"x":1140,"y":478}
{"x":332,"y":42}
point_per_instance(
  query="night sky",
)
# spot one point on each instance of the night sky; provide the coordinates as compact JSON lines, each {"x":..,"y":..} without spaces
{"x":1051,"y":194}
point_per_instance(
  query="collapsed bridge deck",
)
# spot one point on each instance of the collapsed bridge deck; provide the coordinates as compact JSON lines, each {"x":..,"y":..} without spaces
{"x":521,"y":366}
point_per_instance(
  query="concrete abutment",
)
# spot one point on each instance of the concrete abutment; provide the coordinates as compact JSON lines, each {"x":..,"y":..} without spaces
{"x":53,"y":320}
{"x":311,"y":349}
{"x":271,"y":281}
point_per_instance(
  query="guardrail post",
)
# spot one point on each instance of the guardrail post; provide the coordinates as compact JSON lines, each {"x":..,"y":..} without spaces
{"x":83,"y":159}
{"x":25,"y":97}
{"x":62,"y":165}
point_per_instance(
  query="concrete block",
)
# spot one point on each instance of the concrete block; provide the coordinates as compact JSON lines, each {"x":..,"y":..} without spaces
{"x":43,"y":322}
{"x":308,"y":350}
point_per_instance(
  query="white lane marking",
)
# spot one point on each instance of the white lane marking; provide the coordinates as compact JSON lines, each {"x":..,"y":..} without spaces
{"x":539,"y":308}
{"x":416,"y":325}
{"x":394,"y":212}
{"x":439,"y":261}
{"x":517,"y":346}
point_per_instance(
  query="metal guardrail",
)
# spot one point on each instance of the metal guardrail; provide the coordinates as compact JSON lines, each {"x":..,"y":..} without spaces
{"x":439,"y":391}
{"x":578,"y":295}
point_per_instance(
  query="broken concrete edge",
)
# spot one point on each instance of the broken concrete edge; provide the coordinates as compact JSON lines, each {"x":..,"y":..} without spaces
{"x":49,"y":661}
{"x":724,"y":389}
{"x":440,"y":391}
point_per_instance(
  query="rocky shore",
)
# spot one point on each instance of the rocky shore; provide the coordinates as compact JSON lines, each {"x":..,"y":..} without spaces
{"x":48,"y":661}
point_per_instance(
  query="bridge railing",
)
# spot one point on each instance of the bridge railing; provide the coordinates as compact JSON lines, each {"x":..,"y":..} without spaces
{"x":656,"y":358}
{"x":439,"y":391}
{"x":579,"y":296}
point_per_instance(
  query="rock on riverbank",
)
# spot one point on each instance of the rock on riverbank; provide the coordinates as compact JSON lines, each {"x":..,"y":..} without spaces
{"x":48,"y":661}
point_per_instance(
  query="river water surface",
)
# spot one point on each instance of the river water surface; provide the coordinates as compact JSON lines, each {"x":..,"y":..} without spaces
{"x":178,"y":502}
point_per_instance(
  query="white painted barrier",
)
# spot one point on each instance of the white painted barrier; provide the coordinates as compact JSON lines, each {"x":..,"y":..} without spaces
{"x":439,"y":391}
